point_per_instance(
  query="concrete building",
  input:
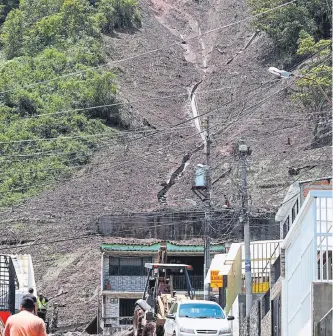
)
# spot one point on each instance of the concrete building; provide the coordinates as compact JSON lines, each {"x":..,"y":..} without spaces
{"x":232,"y":267}
{"x":123,"y":276}
{"x":294,"y":200}
{"x":307,"y":282}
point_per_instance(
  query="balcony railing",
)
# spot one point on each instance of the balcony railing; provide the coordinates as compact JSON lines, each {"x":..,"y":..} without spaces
{"x":137,"y":283}
{"x":179,"y":282}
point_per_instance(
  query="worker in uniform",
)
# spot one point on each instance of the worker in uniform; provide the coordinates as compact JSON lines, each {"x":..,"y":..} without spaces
{"x":42,"y":303}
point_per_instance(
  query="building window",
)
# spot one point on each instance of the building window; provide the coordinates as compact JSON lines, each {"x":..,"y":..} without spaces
{"x":293,"y":213}
{"x":285,"y":227}
{"x":126,"y":310}
{"x":128,"y":266}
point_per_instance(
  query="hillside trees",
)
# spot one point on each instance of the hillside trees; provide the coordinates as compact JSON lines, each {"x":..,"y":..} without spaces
{"x":301,"y":34}
{"x":47,"y":90}
{"x":6,"y":6}
{"x":284,"y":25}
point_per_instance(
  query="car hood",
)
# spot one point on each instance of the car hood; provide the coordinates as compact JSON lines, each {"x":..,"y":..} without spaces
{"x":203,"y":324}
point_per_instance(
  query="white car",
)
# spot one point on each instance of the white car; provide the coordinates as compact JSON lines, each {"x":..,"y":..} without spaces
{"x":197,"y":317}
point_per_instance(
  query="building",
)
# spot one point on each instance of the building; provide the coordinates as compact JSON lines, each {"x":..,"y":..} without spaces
{"x":299,"y":300}
{"x":232,"y":267}
{"x":123,"y":276}
{"x":294,"y":200}
{"x":307,"y":282}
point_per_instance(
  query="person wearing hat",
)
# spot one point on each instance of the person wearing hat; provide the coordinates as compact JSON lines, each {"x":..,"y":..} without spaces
{"x":42,"y":306}
{"x":25,"y":323}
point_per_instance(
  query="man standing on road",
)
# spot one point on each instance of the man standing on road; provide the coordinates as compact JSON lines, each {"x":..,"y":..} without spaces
{"x":25,"y":323}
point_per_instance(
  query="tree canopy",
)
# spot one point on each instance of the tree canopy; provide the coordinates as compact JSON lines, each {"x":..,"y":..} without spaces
{"x":301,"y":34}
{"x":48,"y":84}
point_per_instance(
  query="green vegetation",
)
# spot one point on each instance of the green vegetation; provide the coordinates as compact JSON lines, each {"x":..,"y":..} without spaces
{"x":316,"y":84}
{"x":45,"y":42}
{"x":302,"y":31}
{"x":284,"y":25}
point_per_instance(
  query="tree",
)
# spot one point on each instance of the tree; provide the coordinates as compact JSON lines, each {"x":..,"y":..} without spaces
{"x":284,"y":25}
{"x":6,"y":7}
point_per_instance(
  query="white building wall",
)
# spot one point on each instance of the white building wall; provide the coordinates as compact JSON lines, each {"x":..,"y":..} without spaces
{"x":25,"y":275}
{"x":304,"y":241}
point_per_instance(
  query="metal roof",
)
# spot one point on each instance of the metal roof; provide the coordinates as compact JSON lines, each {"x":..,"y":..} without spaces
{"x":154,"y":247}
{"x":168,"y":266}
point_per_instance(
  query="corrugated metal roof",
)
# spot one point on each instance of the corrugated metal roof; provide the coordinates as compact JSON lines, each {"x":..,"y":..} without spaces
{"x":130,"y":247}
{"x":154,"y":247}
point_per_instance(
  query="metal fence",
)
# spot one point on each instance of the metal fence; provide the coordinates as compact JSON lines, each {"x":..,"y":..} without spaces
{"x":182,"y":225}
{"x":126,"y":309}
{"x":263,"y":255}
{"x":8,"y":283}
{"x":179,"y":282}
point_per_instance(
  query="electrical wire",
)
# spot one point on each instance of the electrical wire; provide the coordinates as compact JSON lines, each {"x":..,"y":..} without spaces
{"x":224,"y":128}
{"x":149,"y":52}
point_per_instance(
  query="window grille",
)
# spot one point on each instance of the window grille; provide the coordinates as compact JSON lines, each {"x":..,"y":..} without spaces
{"x":128,"y":266}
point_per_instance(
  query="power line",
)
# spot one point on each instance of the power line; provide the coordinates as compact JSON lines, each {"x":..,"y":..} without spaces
{"x":102,"y":134}
{"x":183,"y":139}
{"x":134,"y":139}
{"x":112,"y":134}
{"x":153,"y":50}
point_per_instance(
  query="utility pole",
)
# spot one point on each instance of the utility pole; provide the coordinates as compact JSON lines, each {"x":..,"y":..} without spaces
{"x":244,"y":152}
{"x":207,"y":223}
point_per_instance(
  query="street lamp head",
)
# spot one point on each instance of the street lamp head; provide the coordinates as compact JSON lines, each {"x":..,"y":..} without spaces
{"x":280,"y":73}
{"x":243,"y":148}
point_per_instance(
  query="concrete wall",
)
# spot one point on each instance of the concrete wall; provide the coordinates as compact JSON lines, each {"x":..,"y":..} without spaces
{"x":236,"y":313}
{"x":252,"y":326}
{"x":324,"y":327}
{"x":276,"y":289}
{"x":321,"y":300}
{"x":266,"y":325}
{"x":234,"y":280}
{"x":255,"y":320}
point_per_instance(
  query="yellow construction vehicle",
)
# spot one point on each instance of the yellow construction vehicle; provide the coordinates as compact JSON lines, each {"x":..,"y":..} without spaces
{"x":160,"y":293}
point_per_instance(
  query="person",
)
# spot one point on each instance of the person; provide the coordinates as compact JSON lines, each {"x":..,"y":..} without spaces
{"x":33,"y":297}
{"x":25,"y":323}
{"x":42,"y":306}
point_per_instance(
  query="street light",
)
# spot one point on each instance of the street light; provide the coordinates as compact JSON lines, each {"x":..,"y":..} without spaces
{"x":280,"y":73}
{"x":285,"y":74}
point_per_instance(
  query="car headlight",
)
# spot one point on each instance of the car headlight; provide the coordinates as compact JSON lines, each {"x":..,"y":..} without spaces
{"x":224,"y":332}
{"x":187,"y":331}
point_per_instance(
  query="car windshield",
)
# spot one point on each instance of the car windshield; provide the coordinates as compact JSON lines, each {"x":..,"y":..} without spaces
{"x":201,"y":310}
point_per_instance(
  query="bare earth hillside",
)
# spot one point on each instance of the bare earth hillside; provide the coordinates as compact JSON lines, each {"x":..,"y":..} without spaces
{"x":244,"y":101}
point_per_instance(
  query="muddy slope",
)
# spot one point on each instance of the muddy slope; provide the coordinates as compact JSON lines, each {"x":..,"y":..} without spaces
{"x":226,"y":81}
